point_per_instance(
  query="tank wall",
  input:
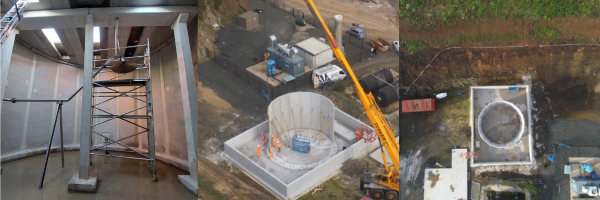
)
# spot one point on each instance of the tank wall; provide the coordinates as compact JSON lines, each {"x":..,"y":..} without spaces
{"x":301,"y":110}
{"x":27,"y":126}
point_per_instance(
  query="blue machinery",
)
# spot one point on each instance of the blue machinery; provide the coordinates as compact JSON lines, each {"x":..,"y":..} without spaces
{"x":300,"y":143}
{"x":270,"y":68}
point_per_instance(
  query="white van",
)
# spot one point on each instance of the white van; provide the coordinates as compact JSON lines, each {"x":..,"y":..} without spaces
{"x":328,"y":74}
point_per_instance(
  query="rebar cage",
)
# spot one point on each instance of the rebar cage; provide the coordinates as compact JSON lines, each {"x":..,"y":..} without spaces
{"x":138,"y":89}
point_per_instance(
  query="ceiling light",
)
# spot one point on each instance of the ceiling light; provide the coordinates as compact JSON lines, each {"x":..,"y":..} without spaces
{"x":51,"y":35}
{"x":66,"y":57}
{"x":96,"y":34}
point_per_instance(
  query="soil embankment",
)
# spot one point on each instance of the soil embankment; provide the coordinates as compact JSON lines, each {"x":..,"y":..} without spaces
{"x":569,"y":72}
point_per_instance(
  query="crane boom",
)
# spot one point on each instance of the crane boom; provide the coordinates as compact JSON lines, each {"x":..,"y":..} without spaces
{"x":370,"y":106}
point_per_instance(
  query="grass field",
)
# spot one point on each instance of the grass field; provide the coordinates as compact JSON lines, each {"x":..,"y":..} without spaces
{"x":430,"y":12}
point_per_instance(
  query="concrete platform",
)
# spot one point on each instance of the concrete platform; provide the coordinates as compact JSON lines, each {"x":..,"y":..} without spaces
{"x":260,"y":70}
{"x":344,"y":133}
{"x":500,"y":126}
{"x":83,"y":185}
{"x":448,"y":183}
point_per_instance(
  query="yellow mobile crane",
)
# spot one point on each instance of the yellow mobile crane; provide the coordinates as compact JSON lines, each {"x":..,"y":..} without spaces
{"x":385,"y":182}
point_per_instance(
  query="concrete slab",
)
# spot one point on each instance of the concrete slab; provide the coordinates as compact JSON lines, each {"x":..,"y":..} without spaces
{"x":120,"y":179}
{"x":448,"y":183}
{"x":83,"y":185}
{"x":260,"y":71}
{"x":500,"y":124}
{"x":189,"y":183}
{"x":377,"y":155}
{"x":344,"y":132}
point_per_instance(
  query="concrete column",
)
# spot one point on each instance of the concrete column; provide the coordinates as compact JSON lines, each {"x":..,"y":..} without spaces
{"x":5,"y":53}
{"x":338,"y":30}
{"x":189,"y":96}
{"x":83,"y":182}
{"x":7,"y":50}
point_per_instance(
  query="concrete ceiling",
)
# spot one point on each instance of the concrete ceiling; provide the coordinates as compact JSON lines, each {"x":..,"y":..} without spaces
{"x":67,"y":17}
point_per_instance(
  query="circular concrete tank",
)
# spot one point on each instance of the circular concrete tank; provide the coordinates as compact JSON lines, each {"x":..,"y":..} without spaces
{"x":500,"y":123}
{"x":309,"y":116}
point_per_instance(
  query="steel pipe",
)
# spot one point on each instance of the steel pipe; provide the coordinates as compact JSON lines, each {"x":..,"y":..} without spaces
{"x":97,"y":154}
{"x":122,"y":57}
{"x":120,"y":47}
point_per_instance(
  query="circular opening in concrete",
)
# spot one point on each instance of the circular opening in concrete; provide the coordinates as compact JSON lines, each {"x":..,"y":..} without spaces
{"x":500,"y":123}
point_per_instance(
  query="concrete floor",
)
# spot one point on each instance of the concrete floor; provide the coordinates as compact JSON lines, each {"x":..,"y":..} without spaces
{"x":448,"y":183}
{"x":499,"y":126}
{"x":481,"y":97}
{"x":118,"y":179}
{"x":320,"y":152}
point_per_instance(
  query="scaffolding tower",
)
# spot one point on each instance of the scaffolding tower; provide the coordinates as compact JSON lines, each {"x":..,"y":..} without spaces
{"x":114,"y":89}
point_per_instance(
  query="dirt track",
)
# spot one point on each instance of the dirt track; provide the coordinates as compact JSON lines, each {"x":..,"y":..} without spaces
{"x":378,"y":20}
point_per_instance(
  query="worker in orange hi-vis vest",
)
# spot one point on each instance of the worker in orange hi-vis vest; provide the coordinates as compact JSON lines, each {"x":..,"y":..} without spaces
{"x":270,"y":151}
{"x":279,"y":146}
{"x":274,"y":141}
{"x":258,"y":149}
{"x":358,"y":135}
{"x":263,"y":138}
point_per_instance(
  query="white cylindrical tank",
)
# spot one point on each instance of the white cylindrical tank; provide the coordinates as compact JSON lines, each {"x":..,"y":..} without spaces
{"x":338,"y":30}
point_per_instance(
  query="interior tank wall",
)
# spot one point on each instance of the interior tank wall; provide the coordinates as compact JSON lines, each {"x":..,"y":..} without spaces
{"x":27,"y":126}
{"x":301,"y":110}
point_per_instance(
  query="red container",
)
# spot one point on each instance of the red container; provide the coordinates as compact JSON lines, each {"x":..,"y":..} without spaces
{"x":418,"y":105}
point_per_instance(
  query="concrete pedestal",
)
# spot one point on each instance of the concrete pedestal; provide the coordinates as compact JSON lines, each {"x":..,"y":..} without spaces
{"x":190,"y":184}
{"x":83,"y":185}
{"x":301,"y":28}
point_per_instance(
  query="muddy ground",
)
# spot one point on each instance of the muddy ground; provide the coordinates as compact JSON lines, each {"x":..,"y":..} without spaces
{"x":565,"y":84}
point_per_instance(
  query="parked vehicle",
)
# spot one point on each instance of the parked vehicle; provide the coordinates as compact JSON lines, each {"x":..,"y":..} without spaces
{"x":397,"y":45}
{"x":327,"y":74}
{"x":357,"y":33}
{"x":380,"y":44}
{"x":258,"y":11}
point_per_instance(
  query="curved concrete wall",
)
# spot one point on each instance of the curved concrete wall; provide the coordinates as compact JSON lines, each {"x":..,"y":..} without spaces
{"x":293,"y":111}
{"x":26,"y":127}
{"x":483,"y":113}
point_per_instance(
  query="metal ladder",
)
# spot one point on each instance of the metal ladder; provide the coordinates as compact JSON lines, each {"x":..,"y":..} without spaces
{"x":112,"y":91}
{"x":11,"y":19}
